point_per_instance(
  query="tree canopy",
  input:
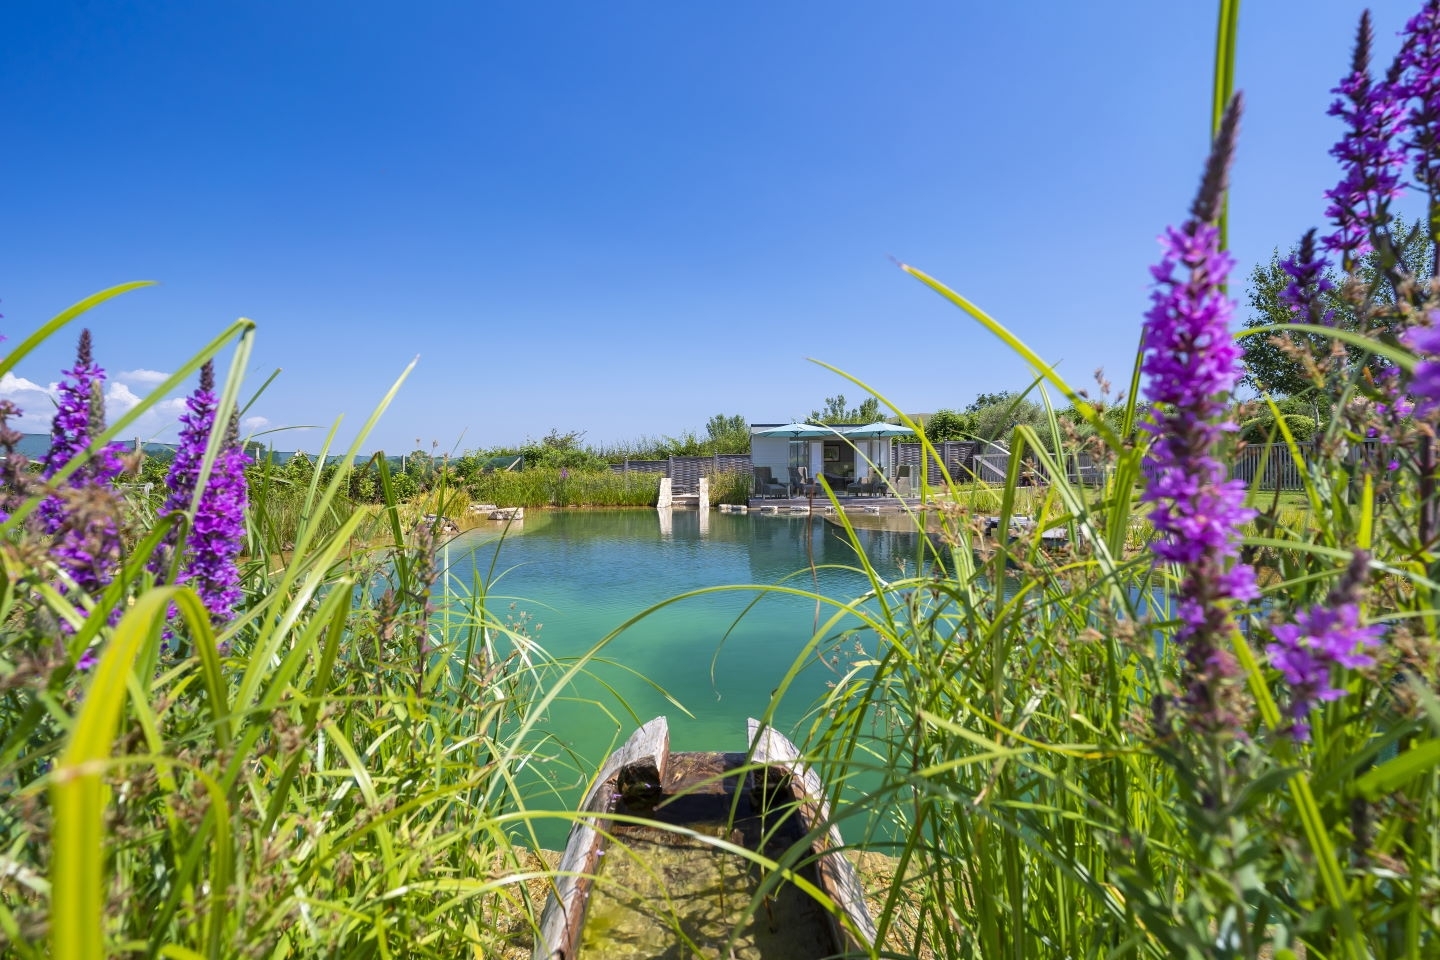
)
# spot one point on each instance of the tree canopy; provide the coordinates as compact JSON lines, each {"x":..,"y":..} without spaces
{"x":1273,"y":367}
{"x":835,"y":411}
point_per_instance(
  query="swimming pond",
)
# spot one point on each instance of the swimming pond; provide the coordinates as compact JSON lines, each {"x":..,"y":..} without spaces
{"x":576,"y":576}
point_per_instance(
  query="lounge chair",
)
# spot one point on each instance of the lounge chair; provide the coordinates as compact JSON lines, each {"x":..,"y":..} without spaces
{"x":766,"y":485}
{"x":868,"y":485}
{"x":800,"y":481}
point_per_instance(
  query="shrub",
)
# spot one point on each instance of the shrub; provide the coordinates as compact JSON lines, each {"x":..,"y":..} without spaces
{"x":1265,"y":429}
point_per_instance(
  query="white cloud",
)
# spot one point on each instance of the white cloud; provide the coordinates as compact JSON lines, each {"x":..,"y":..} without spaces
{"x":142,"y":376}
{"x":13,"y":386}
{"x":119,"y":399}
{"x":255,"y":424}
{"x":37,"y":403}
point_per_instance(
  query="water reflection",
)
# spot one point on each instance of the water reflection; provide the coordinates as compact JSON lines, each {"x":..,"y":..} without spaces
{"x":581,"y":574}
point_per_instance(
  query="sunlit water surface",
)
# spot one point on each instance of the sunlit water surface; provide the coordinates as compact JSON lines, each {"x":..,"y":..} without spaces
{"x":579,"y":575}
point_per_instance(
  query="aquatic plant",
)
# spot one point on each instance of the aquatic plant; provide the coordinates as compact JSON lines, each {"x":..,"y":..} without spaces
{"x":328,"y":769}
{"x":1080,"y":753}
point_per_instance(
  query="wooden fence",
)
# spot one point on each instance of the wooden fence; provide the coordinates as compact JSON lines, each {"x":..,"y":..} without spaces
{"x":1267,"y":466}
{"x":685,"y":472}
{"x":1262,"y":466}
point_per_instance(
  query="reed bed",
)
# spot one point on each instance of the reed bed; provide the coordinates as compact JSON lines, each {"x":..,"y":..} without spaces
{"x":330,"y":771}
{"x":1121,"y":748}
{"x":545,"y":486}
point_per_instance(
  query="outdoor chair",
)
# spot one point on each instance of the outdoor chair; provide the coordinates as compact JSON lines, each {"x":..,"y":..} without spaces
{"x":800,"y":481}
{"x":766,"y":485}
{"x":868,"y":485}
{"x":903,"y":486}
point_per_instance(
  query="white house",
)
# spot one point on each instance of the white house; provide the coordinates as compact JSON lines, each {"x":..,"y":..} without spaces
{"x":839,"y":451}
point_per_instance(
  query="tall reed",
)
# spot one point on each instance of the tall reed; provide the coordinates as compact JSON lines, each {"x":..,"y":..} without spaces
{"x":560,"y":487}
{"x":331,"y":772}
{"x":1038,"y":736}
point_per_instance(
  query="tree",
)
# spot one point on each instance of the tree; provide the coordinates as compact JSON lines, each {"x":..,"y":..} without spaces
{"x":556,"y":450}
{"x":1276,"y":368}
{"x":996,"y":421}
{"x":836,"y":412}
{"x":948,"y":425}
{"x":983,"y":400}
{"x":727,"y":434}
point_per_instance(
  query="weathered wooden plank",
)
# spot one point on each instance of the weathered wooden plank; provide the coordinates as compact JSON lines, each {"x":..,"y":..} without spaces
{"x":837,"y":874}
{"x":643,"y":756}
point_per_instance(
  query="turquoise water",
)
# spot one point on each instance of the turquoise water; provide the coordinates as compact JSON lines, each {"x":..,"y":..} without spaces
{"x":581,"y":574}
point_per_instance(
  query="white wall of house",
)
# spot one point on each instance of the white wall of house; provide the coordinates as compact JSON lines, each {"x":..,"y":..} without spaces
{"x":772,"y":452}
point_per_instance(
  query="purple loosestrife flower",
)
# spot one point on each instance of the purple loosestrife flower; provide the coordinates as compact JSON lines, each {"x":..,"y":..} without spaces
{"x":1425,"y":385}
{"x":79,"y":418}
{"x":1306,"y":270}
{"x":195,"y":425}
{"x":82,"y":515}
{"x":1370,"y":153}
{"x":1192,"y":365}
{"x":208,"y":562}
{"x":1420,"y":61}
{"x":1322,"y":638}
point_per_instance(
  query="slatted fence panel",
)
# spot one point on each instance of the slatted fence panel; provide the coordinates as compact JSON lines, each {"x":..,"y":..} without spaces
{"x":685,"y":472}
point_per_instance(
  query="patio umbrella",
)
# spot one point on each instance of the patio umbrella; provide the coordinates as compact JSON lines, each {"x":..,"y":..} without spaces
{"x":873,"y":430}
{"x":796,"y":431}
{"x":876,"y":431}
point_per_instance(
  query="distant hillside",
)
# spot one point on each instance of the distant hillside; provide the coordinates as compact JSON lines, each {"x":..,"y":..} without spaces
{"x":37,"y":445}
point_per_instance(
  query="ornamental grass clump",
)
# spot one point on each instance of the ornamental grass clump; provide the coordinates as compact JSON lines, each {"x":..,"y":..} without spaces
{"x":1219,"y":738}
{"x":327,"y":768}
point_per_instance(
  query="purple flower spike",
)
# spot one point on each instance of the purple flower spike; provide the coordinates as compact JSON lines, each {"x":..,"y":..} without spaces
{"x":1306,"y":270}
{"x":218,"y":527}
{"x":79,"y":418}
{"x":1323,"y":638}
{"x":82,"y":516}
{"x":1192,"y":365}
{"x":1370,"y":153}
{"x":1420,"y":60}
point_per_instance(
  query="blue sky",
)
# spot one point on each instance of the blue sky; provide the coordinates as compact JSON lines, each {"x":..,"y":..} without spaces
{"x":624,"y":217}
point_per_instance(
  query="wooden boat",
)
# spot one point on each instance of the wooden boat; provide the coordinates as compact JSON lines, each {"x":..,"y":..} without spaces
{"x":665,"y":890}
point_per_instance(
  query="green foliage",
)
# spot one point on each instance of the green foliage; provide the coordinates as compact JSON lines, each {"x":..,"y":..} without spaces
{"x":835,"y":411}
{"x":1265,"y":430}
{"x":545,"y":486}
{"x":1283,"y":370}
{"x":996,"y":420}
{"x":556,"y":450}
{"x":731,"y":486}
{"x":727,"y":434}
{"x":324,"y":775}
{"x":948,"y":425}
{"x":1008,"y":716}
{"x":984,"y":400}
